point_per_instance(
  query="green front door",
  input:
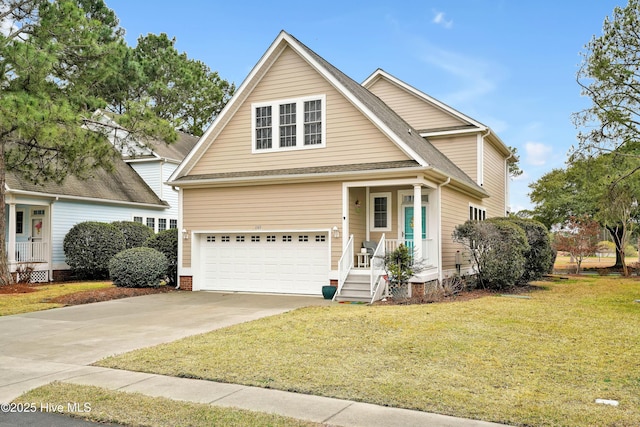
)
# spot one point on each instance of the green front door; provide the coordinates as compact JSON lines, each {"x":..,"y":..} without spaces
{"x":408,"y":222}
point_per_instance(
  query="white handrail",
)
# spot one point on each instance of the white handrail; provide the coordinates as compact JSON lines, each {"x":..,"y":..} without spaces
{"x":344,"y":265}
{"x":377,"y":263}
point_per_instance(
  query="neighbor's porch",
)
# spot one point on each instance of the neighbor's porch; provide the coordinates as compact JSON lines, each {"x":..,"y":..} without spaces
{"x":28,"y":241}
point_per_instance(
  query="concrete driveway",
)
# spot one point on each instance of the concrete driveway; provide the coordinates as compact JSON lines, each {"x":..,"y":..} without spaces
{"x":38,"y":348}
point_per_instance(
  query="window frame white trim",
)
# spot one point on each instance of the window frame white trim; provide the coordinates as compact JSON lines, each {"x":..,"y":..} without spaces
{"x":389,"y":196}
{"x":480,"y":209}
{"x":275,"y":124}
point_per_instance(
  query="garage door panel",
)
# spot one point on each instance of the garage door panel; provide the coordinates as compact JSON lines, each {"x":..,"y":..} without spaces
{"x":280,"y":263}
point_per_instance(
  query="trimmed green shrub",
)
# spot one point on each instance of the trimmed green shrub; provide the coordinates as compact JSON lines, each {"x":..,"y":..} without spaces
{"x":89,"y":246}
{"x":540,"y":256}
{"x":497,"y":249}
{"x":167,"y":242}
{"x":138,"y":268}
{"x":135,"y":233}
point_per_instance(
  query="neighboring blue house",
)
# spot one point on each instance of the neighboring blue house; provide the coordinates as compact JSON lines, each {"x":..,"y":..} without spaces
{"x":39,"y":216}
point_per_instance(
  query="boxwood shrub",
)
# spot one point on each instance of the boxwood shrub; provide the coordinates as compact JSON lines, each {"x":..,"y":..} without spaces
{"x":89,"y":246}
{"x":167,"y":242}
{"x":138,"y":268}
{"x":135,"y":233}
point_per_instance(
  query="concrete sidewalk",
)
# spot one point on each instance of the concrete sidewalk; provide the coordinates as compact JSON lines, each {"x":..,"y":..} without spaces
{"x":41,"y":347}
{"x":335,"y":412}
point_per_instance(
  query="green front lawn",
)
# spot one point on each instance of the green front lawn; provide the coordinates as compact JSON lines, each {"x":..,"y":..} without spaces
{"x":538,"y":361}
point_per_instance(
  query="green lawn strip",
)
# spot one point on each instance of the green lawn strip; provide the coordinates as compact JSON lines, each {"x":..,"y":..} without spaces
{"x":135,"y":409}
{"x":538,"y":361}
{"x":39,"y":300}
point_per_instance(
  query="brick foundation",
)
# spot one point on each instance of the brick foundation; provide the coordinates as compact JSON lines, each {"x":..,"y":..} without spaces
{"x":333,"y":282}
{"x":62,"y":275}
{"x":186,"y":283}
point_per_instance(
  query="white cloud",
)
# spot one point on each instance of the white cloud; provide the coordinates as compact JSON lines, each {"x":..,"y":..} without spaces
{"x":440,"y":20}
{"x":537,"y":153}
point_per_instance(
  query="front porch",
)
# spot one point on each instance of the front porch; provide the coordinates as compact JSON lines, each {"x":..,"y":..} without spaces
{"x":379,"y":218}
{"x":28,"y":241}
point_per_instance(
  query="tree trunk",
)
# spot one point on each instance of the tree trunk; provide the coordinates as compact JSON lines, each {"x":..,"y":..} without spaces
{"x":617,"y":233}
{"x":5,"y":275}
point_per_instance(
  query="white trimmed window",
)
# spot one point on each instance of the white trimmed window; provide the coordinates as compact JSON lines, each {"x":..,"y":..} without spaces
{"x":476,"y":213}
{"x":380,"y":211}
{"x":162,"y":224}
{"x":291,"y":124}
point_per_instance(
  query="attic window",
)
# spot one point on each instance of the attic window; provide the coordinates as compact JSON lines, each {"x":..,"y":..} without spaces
{"x":294,"y":124}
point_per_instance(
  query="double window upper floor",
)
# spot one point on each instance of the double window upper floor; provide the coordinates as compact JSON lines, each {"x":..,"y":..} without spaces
{"x":291,"y":124}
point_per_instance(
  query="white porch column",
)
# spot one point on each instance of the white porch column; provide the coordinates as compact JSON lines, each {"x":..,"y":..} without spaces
{"x":417,"y":222}
{"x":11,"y":247}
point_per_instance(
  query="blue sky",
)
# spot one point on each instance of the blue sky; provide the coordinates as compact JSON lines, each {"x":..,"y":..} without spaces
{"x":509,"y":64}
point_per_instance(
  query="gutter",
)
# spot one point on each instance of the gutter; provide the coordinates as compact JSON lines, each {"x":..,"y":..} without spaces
{"x":88,"y":199}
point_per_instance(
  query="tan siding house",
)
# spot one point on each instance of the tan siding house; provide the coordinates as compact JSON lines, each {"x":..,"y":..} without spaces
{"x":305,"y":167}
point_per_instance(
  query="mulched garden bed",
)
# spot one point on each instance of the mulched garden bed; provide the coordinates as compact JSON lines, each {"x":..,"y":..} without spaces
{"x":107,"y":294}
{"x":84,"y":297}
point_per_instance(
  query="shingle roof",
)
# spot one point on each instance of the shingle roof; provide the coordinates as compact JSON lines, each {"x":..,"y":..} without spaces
{"x":402,"y":129}
{"x":177,"y":150}
{"x":356,"y":167}
{"x":122,"y":184}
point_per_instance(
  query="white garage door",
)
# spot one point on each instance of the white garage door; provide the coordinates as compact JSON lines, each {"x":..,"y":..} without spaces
{"x":292,"y":263}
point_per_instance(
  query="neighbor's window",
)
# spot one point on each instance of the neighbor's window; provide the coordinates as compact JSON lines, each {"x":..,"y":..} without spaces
{"x":19,"y":222}
{"x":173,"y":223}
{"x":137,"y":219}
{"x":294,"y":123}
{"x":380,"y":208}
{"x":162,"y":224}
{"x":151,"y":223}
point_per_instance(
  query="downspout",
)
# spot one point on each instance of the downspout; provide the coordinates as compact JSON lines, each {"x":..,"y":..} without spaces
{"x":440,"y":227}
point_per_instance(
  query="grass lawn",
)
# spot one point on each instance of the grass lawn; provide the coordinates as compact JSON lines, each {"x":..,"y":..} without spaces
{"x":538,"y":361}
{"x":134,"y":409}
{"x":40,"y":298}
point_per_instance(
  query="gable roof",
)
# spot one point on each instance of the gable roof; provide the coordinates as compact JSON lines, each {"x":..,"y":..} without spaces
{"x":472,"y":124}
{"x":421,"y":151}
{"x":121,"y":185}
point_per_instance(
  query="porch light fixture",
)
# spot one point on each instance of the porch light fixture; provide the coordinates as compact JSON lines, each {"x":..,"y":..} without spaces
{"x":336,"y":232}
{"x":185,"y":234}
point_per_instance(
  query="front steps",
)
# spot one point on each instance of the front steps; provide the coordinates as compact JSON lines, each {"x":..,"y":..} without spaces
{"x":356,"y":288}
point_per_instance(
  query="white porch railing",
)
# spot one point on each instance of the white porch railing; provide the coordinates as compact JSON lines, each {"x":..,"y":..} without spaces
{"x":392,"y":245}
{"x":345,"y":265}
{"x":32,"y":251}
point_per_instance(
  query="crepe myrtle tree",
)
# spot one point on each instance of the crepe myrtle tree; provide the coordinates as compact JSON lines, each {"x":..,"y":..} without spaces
{"x":579,"y":236}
